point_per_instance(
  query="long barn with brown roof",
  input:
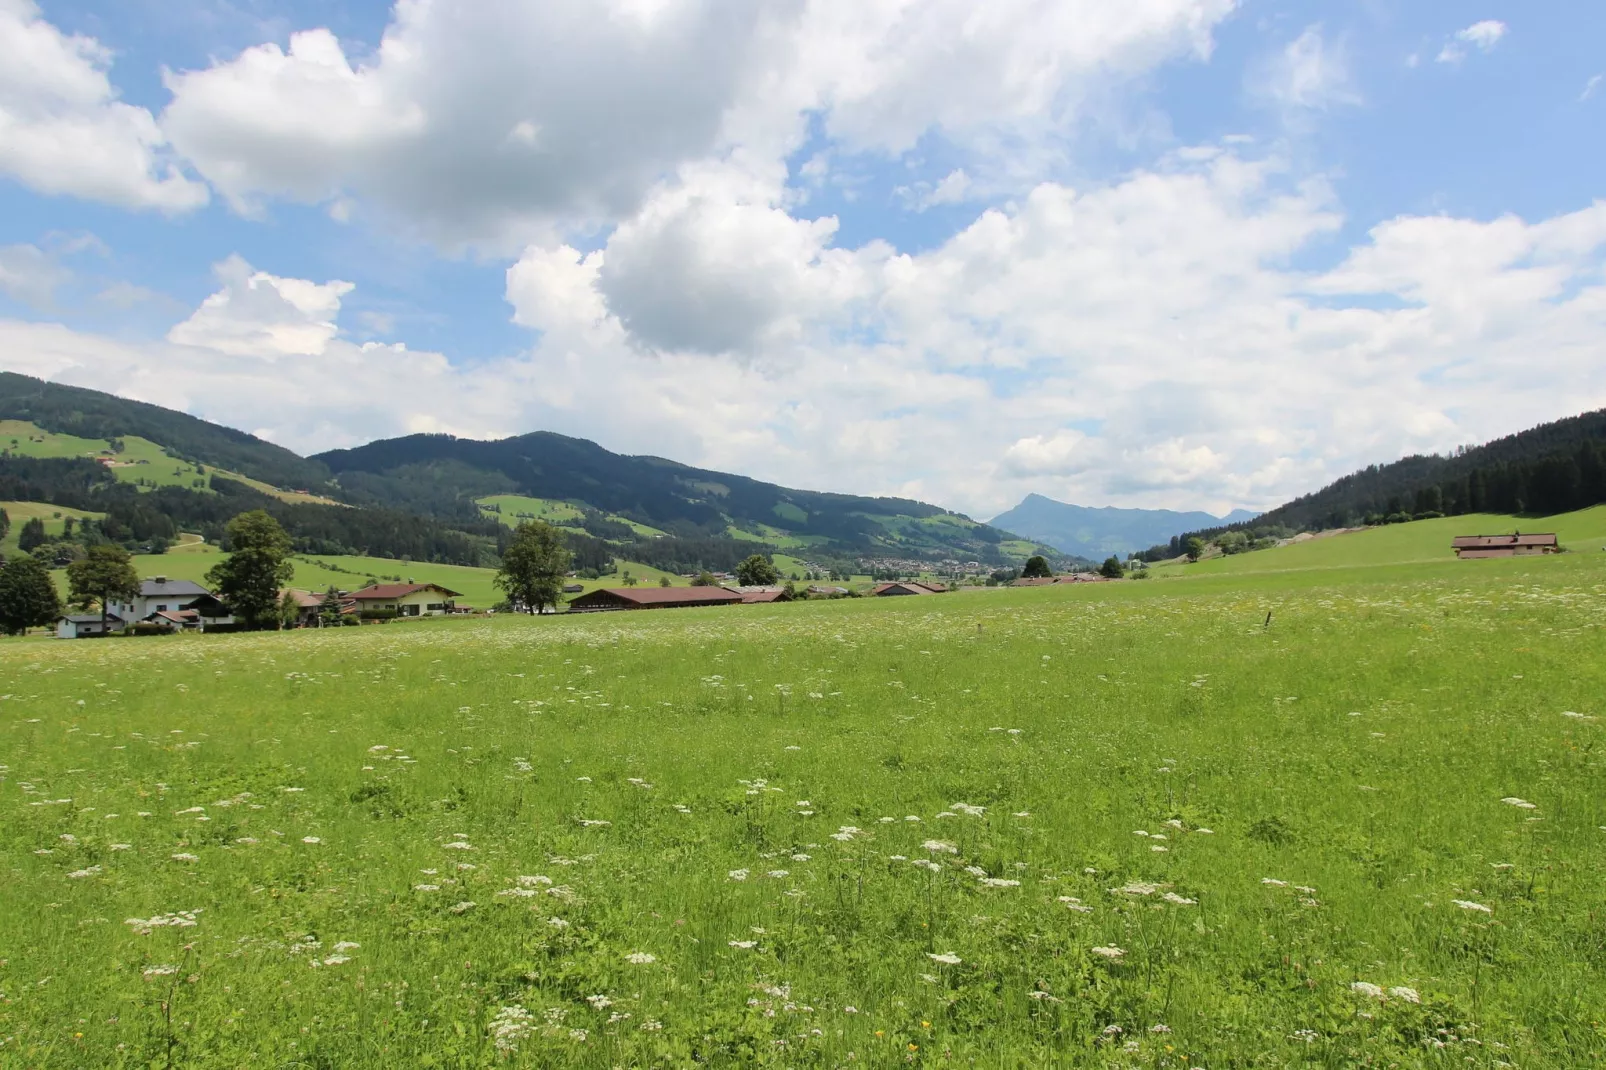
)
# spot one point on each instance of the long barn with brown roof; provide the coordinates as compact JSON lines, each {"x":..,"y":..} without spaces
{"x":1471,"y":547}
{"x":610,"y":598}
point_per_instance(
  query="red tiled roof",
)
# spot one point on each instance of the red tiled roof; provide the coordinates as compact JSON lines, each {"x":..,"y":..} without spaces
{"x":386,"y":591}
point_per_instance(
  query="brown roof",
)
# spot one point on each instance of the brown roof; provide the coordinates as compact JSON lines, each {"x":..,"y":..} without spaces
{"x":909,"y":587}
{"x":750,"y":597}
{"x":304,"y":599}
{"x":1501,"y":542}
{"x":654,"y":598}
{"x":386,"y":591}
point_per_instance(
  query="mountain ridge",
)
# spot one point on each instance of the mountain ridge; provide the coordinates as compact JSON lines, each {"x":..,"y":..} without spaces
{"x":1096,"y":532}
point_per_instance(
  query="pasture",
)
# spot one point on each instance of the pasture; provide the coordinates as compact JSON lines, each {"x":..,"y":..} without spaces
{"x":1116,"y":825}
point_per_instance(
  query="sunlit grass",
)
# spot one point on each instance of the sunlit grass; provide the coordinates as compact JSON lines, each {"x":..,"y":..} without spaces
{"x":750,"y":836}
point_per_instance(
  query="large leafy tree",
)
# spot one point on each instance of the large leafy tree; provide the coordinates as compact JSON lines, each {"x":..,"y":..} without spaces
{"x":104,"y":574}
{"x":757,"y":571}
{"x":28,"y":596}
{"x":1111,"y":569}
{"x":1037,"y":568}
{"x":533,"y":567}
{"x":258,"y":565}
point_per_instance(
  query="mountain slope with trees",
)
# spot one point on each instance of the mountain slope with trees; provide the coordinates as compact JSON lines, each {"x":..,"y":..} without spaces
{"x":1554,"y":468}
{"x":1094,"y":533}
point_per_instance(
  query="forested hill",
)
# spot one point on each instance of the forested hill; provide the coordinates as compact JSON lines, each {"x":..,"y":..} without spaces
{"x":1553,"y":468}
{"x":71,"y":410}
{"x":444,"y":475}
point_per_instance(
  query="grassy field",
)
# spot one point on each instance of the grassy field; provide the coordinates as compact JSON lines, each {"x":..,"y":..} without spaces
{"x":1393,"y":545}
{"x":142,"y":462}
{"x":1116,"y":825}
{"x":54,"y":516}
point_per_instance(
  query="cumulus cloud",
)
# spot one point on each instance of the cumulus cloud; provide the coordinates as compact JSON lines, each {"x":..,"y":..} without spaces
{"x":63,"y":130}
{"x":505,"y":121}
{"x":1144,"y":342}
{"x":260,"y":315}
{"x":1482,"y":36}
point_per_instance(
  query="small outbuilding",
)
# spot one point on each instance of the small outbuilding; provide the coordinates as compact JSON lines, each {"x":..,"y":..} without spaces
{"x":87,"y":626}
{"x":611,"y":598}
{"x":1472,"y":547}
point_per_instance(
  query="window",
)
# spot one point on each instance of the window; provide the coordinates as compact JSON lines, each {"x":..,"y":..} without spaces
{"x":436,"y":607}
{"x":410,"y":611}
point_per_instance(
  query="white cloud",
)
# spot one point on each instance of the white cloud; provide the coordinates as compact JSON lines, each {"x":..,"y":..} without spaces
{"x":1590,"y":87}
{"x":31,"y":275}
{"x":1309,"y":73}
{"x":505,"y":121}
{"x":1145,"y":342}
{"x":63,"y":130}
{"x":260,"y":315}
{"x":1482,"y":36}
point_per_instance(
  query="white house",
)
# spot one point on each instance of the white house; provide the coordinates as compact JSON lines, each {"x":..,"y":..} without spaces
{"x":162,"y":595}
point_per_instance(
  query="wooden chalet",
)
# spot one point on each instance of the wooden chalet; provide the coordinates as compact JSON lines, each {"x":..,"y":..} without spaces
{"x":1472,"y":547}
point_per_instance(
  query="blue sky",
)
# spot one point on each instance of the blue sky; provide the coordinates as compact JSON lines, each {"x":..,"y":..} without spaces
{"x":899,"y":253}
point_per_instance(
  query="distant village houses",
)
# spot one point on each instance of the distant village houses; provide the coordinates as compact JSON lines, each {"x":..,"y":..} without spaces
{"x":1472,"y":547}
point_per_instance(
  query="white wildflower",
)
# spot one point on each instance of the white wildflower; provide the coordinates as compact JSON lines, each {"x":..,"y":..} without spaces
{"x":1274,"y":882}
{"x":184,"y":856}
{"x":1367,"y":989}
{"x":999,"y":882}
{"x":976,"y":871}
{"x":336,"y":960}
{"x":1521,"y":804}
{"x":458,"y":845}
{"x":926,"y":863}
{"x":1467,"y":904}
{"x":744,"y":945}
{"x":158,"y":971}
{"x":1410,"y":995}
{"x":737,"y":874}
{"x":1137,"y":888}
{"x":947,"y":958}
{"x":1112,"y":953}
{"x":79,"y":874}
{"x":509,"y":1026}
{"x":966,"y":808}
{"x":641,"y":958}
{"x":426,"y":887}
{"x":1179,"y":900}
{"x":347,"y":945}
{"x":942,"y":846}
{"x":599,"y":1002}
{"x":311,"y":839}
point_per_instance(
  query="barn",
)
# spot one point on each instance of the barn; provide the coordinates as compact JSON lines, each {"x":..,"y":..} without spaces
{"x":611,"y":598}
{"x":1472,"y":547}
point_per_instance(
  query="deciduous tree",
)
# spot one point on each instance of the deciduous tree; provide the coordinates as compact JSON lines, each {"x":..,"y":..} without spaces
{"x":28,"y":596}
{"x":257,"y":567}
{"x":533,"y":566}
{"x":104,"y":574}
{"x":1036,"y":568}
{"x":757,"y":571}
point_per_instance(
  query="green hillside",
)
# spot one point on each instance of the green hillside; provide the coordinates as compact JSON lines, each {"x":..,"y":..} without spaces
{"x":1421,"y":542}
{"x":97,"y":416}
{"x":54,"y":517}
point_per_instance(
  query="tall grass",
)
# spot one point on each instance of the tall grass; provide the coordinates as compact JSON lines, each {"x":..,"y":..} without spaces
{"x":1131,"y":825}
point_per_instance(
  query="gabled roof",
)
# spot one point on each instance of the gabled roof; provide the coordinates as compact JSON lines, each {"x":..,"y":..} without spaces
{"x":654,"y":597}
{"x":752,"y":597}
{"x":304,"y":599}
{"x":162,"y":587}
{"x":909,"y":587}
{"x":1500,"y":542}
{"x":384,"y":591}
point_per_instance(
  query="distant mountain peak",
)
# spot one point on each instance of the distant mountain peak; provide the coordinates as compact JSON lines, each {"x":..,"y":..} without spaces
{"x":1098,"y":531}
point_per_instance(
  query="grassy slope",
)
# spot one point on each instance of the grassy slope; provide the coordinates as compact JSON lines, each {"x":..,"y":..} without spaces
{"x":1419,"y":542}
{"x":53,"y":516}
{"x":517,"y":507}
{"x":142,"y":461}
{"x":1359,"y":748}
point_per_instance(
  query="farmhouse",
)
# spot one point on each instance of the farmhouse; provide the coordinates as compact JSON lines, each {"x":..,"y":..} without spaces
{"x":903,"y":587}
{"x":162,"y":595}
{"x":405,"y":599}
{"x":755,"y":595}
{"x":610,"y":598}
{"x":307,"y":605}
{"x":1472,"y":547}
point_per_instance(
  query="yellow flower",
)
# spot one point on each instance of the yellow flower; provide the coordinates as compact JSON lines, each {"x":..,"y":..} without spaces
{"x":914,"y":1047}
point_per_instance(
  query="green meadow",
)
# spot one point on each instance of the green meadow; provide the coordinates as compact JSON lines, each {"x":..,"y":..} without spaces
{"x":1336,"y":804}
